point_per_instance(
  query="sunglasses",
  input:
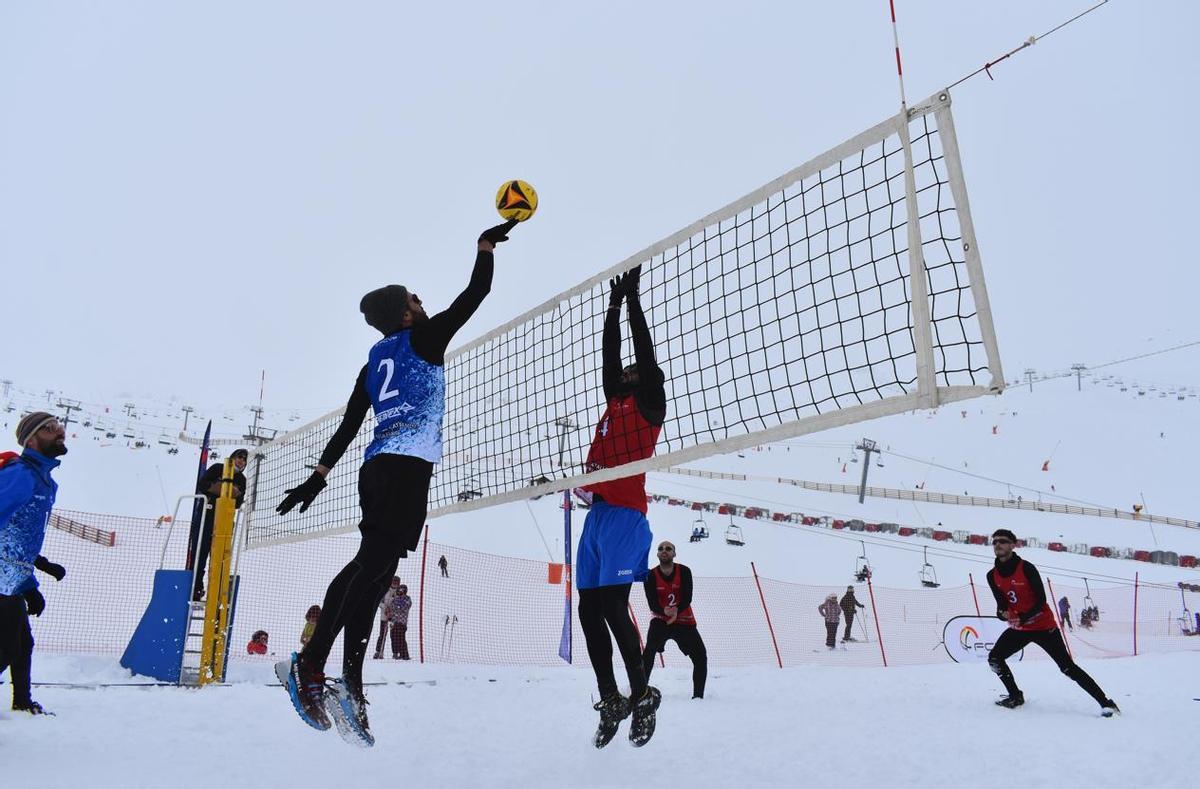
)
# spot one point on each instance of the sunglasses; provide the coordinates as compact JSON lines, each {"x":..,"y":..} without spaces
{"x":665,"y":549}
{"x":1001,"y":542}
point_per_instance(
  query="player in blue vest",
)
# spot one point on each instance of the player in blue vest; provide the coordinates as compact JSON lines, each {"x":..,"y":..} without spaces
{"x":404,"y":383}
{"x":27,"y":494}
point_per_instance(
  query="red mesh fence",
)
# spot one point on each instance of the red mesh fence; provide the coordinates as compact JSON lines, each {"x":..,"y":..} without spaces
{"x":495,"y":610}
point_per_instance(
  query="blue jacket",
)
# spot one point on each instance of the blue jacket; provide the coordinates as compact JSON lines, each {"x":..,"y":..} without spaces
{"x":26,"y":497}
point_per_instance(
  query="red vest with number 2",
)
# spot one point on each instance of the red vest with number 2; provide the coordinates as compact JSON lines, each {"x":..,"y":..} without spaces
{"x":668,"y":595}
{"x":1019,"y":595}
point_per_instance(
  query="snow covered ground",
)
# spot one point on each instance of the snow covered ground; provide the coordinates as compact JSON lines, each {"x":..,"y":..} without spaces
{"x":465,"y":726}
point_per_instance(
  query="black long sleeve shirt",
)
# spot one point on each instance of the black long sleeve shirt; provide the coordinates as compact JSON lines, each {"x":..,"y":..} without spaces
{"x":430,"y":339}
{"x":212,"y":475}
{"x":650,"y":393}
{"x":1035,"y":584}
{"x":685,"y":590}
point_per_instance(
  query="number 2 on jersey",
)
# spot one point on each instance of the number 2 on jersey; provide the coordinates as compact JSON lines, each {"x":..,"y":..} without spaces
{"x":384,"y":392}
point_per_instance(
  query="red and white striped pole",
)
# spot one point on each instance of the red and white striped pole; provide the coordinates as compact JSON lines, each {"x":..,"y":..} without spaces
{"x":899,"y":66}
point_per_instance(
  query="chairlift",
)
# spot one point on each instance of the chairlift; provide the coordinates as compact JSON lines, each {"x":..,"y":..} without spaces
{"x":1187,"y":623}
{"x":733,"y":534}
{"x":699,"y":530}
{"x":928,"y":574}
{"x":862,"y":567}
{"x":110,"y":434}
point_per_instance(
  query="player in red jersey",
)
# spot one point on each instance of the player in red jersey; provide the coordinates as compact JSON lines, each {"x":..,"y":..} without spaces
{"x":614,"y":547}
{"x":669,"y":594}
{"x":1021,"y":601}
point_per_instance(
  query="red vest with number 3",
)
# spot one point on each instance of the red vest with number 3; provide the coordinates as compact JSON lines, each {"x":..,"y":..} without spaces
{"x":1020,"y":596}
{"x":668,"y":593}
{"x":622,"y":436}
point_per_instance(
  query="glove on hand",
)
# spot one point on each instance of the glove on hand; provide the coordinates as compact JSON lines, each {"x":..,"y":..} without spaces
{"x":50,"y":568}
{"x":302,"y":494}
{"x":35,"y":602}
{"x":630,"y":281}
{"x":494,"y":235}
{"x":616,"y":291}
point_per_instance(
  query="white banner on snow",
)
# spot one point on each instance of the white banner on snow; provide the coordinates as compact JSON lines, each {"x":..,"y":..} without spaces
{"x":968,"y":639}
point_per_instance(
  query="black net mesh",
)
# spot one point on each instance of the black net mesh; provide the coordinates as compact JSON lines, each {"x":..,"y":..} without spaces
{"x":794,"y":303}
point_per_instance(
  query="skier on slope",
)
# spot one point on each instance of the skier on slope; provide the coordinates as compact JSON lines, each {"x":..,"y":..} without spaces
{"x":404,"y":382}
{"x":1021,"y":601}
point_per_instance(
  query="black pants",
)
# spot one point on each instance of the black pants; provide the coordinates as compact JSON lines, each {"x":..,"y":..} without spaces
{"x":392,"y":492}
{"x":1013,"y":641}
{"x":688,"y":639}
{"x":831,"y":634}
{"x":849,"y":621}
{"x":199,"y":546}
{"x":602,"y":609}
{"x":16,"y":646}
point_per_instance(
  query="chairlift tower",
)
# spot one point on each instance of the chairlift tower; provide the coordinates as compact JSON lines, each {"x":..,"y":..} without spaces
{"x":187,"y":411}
{"x":564,"y":424}
{"x":7,"y":385}
{"x":1029,"y":373}
{"x":1079,"y":368}
{"x":68,"y":406}
{"x":867,"y":446}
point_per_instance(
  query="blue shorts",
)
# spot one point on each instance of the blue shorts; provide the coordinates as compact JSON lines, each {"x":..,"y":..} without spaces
{"x":614,"y":547}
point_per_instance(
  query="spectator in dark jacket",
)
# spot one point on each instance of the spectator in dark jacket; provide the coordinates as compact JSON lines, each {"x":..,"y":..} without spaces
{"x":401,"y":604}
{"x":200,"y":539}
{"x":849,"y":607}
{"x":1064,"y":612}
{"x":832,"y":613}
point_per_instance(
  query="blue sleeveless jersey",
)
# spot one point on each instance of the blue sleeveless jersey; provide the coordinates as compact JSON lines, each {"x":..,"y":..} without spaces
{"x":408,"y":395}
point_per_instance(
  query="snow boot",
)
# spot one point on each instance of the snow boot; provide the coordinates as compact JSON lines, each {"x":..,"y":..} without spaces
{"x":306,"y":687}
{"x":32,"y":707}
{"x":1109,"y":708}
{"x":641,"y":728}
{"x":347,"y":707}
{"x":1012,"y":701}
{"x":613,"y":709}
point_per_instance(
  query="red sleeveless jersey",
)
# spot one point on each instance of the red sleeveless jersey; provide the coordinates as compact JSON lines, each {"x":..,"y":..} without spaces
{"x":1020,"y":596}
{"x":668,"y":595}
{"x":622,"y":436}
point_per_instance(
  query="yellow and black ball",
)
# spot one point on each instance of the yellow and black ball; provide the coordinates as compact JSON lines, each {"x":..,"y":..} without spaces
{"x":516,"y":200}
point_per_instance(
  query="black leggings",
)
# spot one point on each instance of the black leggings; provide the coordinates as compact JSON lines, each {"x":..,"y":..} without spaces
{"x":602,"y":609}
{"x":392,"y":491}
{"x":16,"y":645}
{"x":1013,"y":641}
{"x":687,"y":637}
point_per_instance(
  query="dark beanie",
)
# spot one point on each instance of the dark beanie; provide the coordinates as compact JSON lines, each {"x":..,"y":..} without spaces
{"x":240,"y":453}
{"x":1004,"y":533}
{"x":30,"y":424}
{"x":384,"y":307}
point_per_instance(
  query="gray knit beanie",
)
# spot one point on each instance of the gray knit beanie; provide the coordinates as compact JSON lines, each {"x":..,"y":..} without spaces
{"x":384,"y":308}
{"x":31,"y":423}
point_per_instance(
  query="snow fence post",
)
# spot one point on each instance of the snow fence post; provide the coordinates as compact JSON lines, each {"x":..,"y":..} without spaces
{"x":874,"y":613}
{"x":975,"y":597}
{"x":770,"y":627}
{"x":1058,"y":616}
{"x":1135,"y":596}
{"x":421,"y":597}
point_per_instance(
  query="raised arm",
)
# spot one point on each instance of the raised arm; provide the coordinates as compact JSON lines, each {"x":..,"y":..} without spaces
{"x":610,"y":351}
{"x":431,"y":338}
{"x":651,"y":393}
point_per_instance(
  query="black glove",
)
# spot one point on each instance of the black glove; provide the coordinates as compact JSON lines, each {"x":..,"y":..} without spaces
{"x":35,"y":602}
{"x":302,"y":494}
{"x":616,"y":292}
{"x":494,"y":235}
{"x":630,"y":281}
{"x":50,"y":568}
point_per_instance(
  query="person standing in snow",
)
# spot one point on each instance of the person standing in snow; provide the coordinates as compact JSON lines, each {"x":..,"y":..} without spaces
{"x":27,"y":494}
{"x":849,"y":605}
{"x":832,"y":613}
{"x":1021,"y":601}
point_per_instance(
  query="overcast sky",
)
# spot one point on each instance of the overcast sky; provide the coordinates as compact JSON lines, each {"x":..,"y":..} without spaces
{"x":190,"y":193}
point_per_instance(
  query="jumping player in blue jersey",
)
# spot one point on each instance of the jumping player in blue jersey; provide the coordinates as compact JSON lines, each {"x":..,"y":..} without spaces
{"x":404,"y":383}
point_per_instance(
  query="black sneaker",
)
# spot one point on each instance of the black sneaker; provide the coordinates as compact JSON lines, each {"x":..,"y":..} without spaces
{"x":1109,"y":708}
{"x":613,"y":709}
{"x":641,"y":728}
{"x":1012,"y":701}
{"x":306,"y":687}
{"x":347,"y":706}
{"x":31,"y":706}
